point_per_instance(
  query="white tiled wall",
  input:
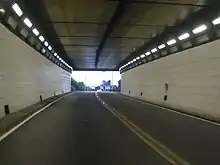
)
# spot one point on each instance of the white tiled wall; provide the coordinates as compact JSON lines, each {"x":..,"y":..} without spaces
{"x":25,"y":74}
{"x":193,"y":78}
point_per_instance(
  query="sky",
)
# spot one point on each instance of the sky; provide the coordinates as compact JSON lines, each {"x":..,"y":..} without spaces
{"x":95,"y":78}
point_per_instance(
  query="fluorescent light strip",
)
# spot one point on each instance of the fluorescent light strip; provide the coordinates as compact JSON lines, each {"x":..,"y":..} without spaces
{"x":147,"y":53}
{"x":17,"y":9}
{"x":35,"y":31}
{"x":216,"y":21}
{"x":154,"y":50}
{"x":161,"y":46}
{"x":142,"y":56}
{"x":171,"y":42}
{"x":184,"y":36}
{"x":41,"y":38}
{"x":2,"y":10}
{"x":46,"y":43}
{"x":43,"y":50}
{"x":28,"y":22}
{"x":199,"y":29}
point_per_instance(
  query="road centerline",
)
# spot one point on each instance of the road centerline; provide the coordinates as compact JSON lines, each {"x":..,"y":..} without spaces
{"x":162,"y":150}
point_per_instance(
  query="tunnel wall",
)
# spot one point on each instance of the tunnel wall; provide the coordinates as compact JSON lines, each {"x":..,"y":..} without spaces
{"x":193,"y":78}
{"x":25,"y":74}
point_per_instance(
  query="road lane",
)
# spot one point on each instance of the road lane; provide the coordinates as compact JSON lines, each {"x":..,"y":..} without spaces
{"x":76,"y":130}
{"x":193,"y":140}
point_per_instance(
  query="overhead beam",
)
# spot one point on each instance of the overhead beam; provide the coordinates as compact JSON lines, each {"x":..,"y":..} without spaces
{"x":78,"y":22}
{"x":80,"y":45}
{"x":141,"y":38}
{"x":94,"y":69}
{"x":167,"y":3}
{"x":105,"y":23}
{"x":148,"y":25}
{"x":120,"y":10}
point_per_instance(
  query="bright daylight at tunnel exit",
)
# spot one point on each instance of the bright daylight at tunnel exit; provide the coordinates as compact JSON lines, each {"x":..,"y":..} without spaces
{"x":109,"y":82}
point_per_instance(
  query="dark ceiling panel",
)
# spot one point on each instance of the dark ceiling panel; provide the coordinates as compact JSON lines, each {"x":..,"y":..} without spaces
{"x":109,"y":31}
{"x":38,"y":13}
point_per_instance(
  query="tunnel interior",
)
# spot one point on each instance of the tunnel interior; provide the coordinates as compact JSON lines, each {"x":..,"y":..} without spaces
{"x":162,"y":108}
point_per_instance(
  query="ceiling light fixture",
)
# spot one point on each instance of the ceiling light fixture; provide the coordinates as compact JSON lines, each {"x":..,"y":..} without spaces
{"x":142,"y":56}
{"x":171,"y":42}
{"x":138,"y":58}
{"x":199,"y":29}
{"x":46,"y":43}
{"x":184,"y":36}
{"x":147,"y":53}
{"x":17,"y":9}
{"x":49,"y":47}
{"x":35,"y":31}
{"x":41,"y":38}
{"x":216,"y":21}
{"x":55,"y":54}
{"x":154,"y":50}
{"x":43,"y":50}
{"x":28,"y":22}
{"x":2,"y":10}
{"x":161,"y":46}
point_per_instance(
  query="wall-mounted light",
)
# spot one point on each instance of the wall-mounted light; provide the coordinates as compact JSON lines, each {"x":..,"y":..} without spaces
{"x":171,"y":42}
{"x":184,"y":36}
{"x":147,"y":53}
{"x":49,"y":47}
{"x":216,"y":21}
{"x":199,"y":29}
{"x":41,"y":38}
{"x":28,"y":22}
{"x":46,"y":43}
{"x":35,"y":31}
{"x":154,"y":50}
{"x":161,"y":46}
{"x":43,"y":50}
{"x":17,"y":9}
{"x":142,"y":56}
{"x":2,"y":11}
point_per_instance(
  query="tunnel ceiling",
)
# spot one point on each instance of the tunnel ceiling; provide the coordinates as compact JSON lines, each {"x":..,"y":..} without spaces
{"x":99,"y":34}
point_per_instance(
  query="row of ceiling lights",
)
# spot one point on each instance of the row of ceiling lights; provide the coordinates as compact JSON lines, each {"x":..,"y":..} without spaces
{"x":29,"y":24}
{"x":173,"y":41}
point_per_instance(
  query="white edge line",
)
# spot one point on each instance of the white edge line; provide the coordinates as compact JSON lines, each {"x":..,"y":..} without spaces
{"x":171,"y":157}
{"x":177,"y":112}
{"x":5,"y":135}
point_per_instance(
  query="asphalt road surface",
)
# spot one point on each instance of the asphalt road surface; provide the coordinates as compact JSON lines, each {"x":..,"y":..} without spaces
{"x":80,"y":130}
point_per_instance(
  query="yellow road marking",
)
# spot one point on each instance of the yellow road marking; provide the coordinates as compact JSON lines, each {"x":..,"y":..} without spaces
{"x":162,"y":150}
